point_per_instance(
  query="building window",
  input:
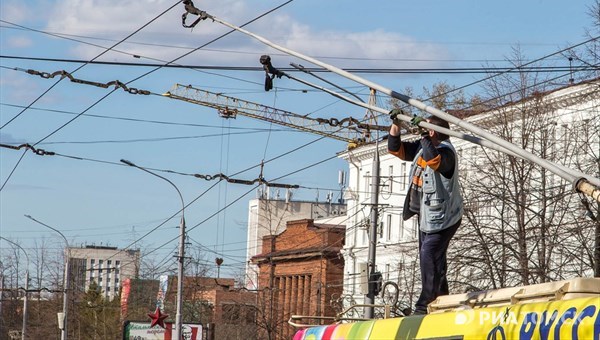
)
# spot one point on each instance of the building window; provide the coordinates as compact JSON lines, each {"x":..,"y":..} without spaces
{"x":391,"y":178}
{"x":401,"y":226}
{"x":403,"y":176}
{"x":367,"y":182}
{"x":389,"y":227}
{"x":386,"y":275}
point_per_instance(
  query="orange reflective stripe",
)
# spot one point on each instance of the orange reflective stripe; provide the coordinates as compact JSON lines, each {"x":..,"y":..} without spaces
{"x":435,"y":163}
{"x":399,"y":153}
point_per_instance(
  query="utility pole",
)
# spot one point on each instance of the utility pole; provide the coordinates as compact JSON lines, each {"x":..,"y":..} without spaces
{"x":180,"y":278}
{"x":374,"y":223}
{"x":63,"y":317}
{"x":181,"y":256}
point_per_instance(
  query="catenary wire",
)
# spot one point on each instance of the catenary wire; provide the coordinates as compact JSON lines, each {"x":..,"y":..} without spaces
{"x":59,"y":80}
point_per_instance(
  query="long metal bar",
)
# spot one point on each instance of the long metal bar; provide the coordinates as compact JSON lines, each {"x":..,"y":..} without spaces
{"x":577,"y":182}
{"x":469,"y":138}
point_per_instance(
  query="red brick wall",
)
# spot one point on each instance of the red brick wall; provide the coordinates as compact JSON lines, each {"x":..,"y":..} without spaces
{"x":307,"y":270}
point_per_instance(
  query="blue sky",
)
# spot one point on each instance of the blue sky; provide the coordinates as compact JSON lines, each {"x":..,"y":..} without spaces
{"x":93,"y":201}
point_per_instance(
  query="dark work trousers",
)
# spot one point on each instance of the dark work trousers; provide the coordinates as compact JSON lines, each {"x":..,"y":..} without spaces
{"x":432,"y":255}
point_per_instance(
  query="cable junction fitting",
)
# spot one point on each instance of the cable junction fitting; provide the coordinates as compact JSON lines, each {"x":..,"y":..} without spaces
{"x":40,"y":152}
{"x":191,"y":9}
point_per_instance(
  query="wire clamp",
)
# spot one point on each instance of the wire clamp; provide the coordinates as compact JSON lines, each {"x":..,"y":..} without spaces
{"x":191,"y":9}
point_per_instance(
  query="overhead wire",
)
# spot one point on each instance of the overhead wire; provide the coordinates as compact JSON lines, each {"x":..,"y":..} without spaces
{"x":374,"y":70}
{"x":133,"y":119}
{"x":61,"y":35}
{"x":56,"y":83}
{"x":521,"y":66}
{"x":147,"y":73}
{"x":106,"y":50}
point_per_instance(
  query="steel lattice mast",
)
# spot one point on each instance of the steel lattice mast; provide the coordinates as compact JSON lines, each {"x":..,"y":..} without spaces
{"x":349,"y":130}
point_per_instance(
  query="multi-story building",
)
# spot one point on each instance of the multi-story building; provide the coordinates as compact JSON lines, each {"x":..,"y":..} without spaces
{"x":268,"y":216}
{"x":107,"y":266}
{"x":567,"y":130}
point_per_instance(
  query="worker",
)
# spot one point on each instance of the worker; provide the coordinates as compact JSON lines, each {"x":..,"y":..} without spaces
{"x":434,"y":197}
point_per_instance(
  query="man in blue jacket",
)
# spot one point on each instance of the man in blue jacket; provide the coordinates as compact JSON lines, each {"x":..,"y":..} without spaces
{"x":434,"y":196}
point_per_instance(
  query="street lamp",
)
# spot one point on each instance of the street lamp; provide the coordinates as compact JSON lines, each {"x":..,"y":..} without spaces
{"x":24,"y":326}
{"x":63,"y":334}
{"x":178,"y":316}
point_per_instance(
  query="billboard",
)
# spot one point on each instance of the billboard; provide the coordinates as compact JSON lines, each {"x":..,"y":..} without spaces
{"x":143,"y":331}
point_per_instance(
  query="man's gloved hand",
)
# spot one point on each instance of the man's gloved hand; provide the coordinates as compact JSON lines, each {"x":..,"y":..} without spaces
{"x":394,"y":116}
{"x":415,"y":121}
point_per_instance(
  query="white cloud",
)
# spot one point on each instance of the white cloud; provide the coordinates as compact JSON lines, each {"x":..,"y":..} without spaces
{"x":14,"y":11}
{"x":19,"y":42}
{"x":115,"y":19}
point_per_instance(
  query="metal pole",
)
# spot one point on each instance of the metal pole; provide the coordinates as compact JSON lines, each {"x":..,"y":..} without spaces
{"x":180,"y":278}
{"x":577,"y":182}
{"x":64,"y":329}
{"x":374,"y":219}
{"x":66,"y":295}
{"x":25,"y":299}
{"x":1,"y":293}
{"x":181,"y":257}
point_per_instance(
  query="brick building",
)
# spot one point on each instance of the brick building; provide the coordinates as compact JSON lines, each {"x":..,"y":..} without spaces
{"x":268,"y":216}
{"x":300,"y":270}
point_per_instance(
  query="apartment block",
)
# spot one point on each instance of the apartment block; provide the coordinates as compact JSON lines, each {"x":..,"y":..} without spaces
{"x":107,"y":266}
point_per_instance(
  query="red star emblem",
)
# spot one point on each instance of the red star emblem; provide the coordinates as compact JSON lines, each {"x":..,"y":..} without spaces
{"x":158,"y":318}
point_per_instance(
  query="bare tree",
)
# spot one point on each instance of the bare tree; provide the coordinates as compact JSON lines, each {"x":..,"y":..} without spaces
{"x":522,"y":223}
